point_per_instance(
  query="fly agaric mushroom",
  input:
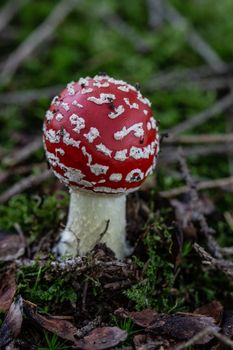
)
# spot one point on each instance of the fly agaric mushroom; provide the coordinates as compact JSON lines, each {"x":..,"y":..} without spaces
{"x":101,"y":140}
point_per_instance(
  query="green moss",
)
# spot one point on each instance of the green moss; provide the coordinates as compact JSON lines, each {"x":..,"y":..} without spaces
{"x":35,"y":283}
{"x":197,"y":285}
{"x":155,"y":289}
{"x":35,"y":214}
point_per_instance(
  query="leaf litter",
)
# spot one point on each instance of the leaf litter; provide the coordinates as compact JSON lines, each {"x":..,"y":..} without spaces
{"x":12,"y":324}
{"x":7,"y":287}
{"x":12,"y":246}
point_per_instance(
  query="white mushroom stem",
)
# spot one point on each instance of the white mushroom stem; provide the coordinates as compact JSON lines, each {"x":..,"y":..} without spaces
{"x":94,"y":218}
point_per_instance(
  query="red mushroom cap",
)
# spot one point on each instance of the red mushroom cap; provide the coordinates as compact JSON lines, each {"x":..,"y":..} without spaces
{"x":100,"y":136}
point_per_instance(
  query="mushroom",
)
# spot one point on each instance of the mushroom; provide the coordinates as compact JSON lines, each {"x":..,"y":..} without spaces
{"x":101,"y":140}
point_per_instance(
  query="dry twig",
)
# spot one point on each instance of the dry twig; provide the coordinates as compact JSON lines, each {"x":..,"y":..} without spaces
{"x":171,"y":78}
{"x":222,"y":265}
{"x":25,"y":184}
{"x":197,"y":210}
{"x":202,"y":117}
{"x":194,"y":39}
{"x":200,"y":138}
{"x":155,"y":13}
{"x":212,"y":83}
{"x":170,"y":154}
{"x":207,"y":331}
{"x":5,"y":174}
{"x":116,"y":23}
{"x":27,"y":96}
{"x":23,"y":153}
{"x":11,"y":8}
{"x":77,"y":264}
{"x":204,"y":185}
{"x":214,"y":61}
{"x":41,"y":34}
{"x":81,"y":332}
{"x":227,"y":251}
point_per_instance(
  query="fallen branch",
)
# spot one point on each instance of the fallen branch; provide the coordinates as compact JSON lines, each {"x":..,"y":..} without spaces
{"x":222,"y":265}
{"x":197,"y":209}
{"x":207,"y":331}
{"x":197,"y":43}
{"x":213,"y":84}
{"x":81,"y":332}
{"x":155,"y":13}
{"x":204,"y":185}
{"x":23,"y":153}
{"x":25,"y":184}
{"x":116,"y":23}
{"x":77,"y":264}
{"x":11,"y":8}
{"x":201,"y":138}
{"x":41,"y":34}
{"x":27,"y":96}
{"x":227,"y":251}
{"x":202,"y":117}
{"x":5,"y":174}
{"x":172,"y":78}
{"x":170,"y":154}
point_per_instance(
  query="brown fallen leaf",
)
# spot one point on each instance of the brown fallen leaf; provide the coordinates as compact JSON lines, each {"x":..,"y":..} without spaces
{"x":7,"y":288}
{"x":183,"y":326}
{"x":102,"y":338}
{"x":141,"y":318}
{"x":62,"y":328}
{"x":12,"y":246}
{"x":147,"y":342}
{"x":213,"y":309}
{"x":141,"y":342}
{"x":11,"y":326}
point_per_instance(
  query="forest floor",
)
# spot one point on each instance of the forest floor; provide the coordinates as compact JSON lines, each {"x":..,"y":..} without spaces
{"x":175,"y":291}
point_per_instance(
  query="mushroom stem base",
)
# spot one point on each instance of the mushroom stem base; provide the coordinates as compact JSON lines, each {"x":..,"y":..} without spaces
{"x":94,"y":218}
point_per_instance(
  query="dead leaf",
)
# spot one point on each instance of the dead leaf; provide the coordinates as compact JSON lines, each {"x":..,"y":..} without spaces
{"x":102,"y":338}
{"x":141,"y":318}
{"x":7,"y":288}
{"x":183,"y":326}
{"x":147,"y":342}
{"x":62,"y":328}
{"x":12,"y":246}
{"x":11,"y":326}
{"x":213,"y":309}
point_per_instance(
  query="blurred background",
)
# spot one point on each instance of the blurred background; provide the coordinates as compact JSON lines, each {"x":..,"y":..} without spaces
{"x":180,"y":53}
